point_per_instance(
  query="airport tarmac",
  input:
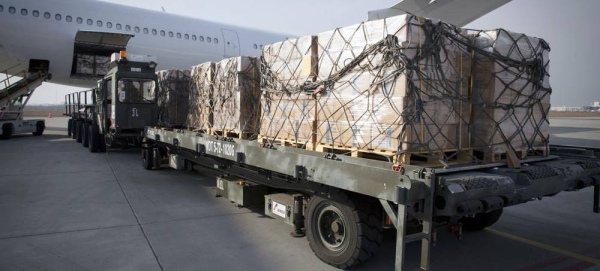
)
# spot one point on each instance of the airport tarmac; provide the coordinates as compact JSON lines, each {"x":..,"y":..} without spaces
{"x":63,"y":208}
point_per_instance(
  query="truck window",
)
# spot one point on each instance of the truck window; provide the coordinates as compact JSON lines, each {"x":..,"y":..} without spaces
{"x":135,"y":90}
{"x":108,"y":90}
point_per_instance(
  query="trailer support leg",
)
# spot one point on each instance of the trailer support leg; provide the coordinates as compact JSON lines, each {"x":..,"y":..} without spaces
{"x":298,"y":217}
{"x":401,"y":233}
{"x":597,"y":198}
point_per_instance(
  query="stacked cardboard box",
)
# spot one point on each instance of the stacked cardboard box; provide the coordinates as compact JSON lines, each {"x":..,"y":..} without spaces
{"x":288,"y":111}
{"x":236,"y":95}
{"x":201,"y":116}
{"x":174,"y":87}
{"x":287,"y":65}
{"x":511,"y":94}
{"x":385,"y":102}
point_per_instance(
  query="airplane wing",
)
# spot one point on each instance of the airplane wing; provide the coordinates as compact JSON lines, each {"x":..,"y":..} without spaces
{"x":456,"y":12}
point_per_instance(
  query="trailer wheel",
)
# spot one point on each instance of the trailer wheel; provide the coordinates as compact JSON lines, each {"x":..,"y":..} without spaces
{"x":6,"y":131}
{"x":69,"y":124}
{"x":39,"y":128}
{"x":78,"y":132}
{"x":73,"y":128}
{"x":102,"y":143}
{"x":93,"y":138}
{"x":85,"y":141}
{"x":147,"y":158}
{"x":481,"y":221}
{"x":343,"y":231}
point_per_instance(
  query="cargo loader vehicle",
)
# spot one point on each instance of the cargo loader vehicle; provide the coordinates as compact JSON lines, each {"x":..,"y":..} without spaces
{"x":115,"y":113}
{"x":15,"y":93}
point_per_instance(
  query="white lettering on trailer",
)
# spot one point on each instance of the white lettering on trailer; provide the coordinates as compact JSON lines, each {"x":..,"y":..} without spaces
{"x":222,"y":148}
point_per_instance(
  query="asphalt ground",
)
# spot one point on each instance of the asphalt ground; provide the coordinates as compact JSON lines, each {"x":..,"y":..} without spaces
{"x":63,"y":208}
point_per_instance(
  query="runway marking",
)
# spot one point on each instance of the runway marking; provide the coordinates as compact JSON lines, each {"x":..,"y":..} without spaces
{"x":544,"y":246}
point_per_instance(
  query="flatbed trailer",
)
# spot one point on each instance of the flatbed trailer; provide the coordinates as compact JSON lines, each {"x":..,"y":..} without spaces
{"x":343,"y":202}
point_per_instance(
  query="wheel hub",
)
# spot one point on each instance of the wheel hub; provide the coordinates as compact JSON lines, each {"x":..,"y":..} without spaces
{"x":332,"y":228}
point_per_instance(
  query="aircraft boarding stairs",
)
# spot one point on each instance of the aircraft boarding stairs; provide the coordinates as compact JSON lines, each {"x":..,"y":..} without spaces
{"x":15,"y":91}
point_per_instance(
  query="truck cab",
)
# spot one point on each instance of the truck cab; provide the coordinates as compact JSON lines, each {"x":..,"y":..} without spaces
{"x":126,"y":99}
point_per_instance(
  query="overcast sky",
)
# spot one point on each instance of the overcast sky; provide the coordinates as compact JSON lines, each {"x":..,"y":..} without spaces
{"x":569,"y":26}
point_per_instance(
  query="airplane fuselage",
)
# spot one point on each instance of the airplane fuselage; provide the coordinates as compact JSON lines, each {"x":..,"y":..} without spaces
{"x":46,"y":30}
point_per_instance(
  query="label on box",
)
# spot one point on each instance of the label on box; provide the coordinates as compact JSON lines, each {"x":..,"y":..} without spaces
{"x":279,"y":209}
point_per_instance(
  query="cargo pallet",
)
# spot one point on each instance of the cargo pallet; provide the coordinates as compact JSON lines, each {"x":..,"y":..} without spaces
{"x":330,"y":183}
{"x":492,"y":156}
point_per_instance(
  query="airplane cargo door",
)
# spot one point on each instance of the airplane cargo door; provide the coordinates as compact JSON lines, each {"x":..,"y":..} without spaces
{"x":231,"y":43}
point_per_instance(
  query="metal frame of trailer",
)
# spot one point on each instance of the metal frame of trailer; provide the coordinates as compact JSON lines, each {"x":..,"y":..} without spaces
{"x":419,"y":192}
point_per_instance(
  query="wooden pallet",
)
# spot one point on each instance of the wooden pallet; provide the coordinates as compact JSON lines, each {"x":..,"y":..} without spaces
{"x":491,"y":156}
{"x":287,"y":142}
{"x":437,"y":159}
{"x":230,"y":133}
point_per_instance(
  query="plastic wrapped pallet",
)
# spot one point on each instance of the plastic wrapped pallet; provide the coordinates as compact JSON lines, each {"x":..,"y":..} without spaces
{"x":200,"y":116}
{"x":511,"y":94}
{"x":236,"y":96}
{"x":174,"y":87}
{"x":387,"y":90}
{"x":91,"y":65}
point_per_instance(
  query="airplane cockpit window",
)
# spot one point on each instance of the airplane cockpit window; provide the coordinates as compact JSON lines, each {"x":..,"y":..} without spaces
{"x":47,"y":15}
{"x":134,"y":90}
{"x":58,"y":17}
{"x":109,"y":24}
{"x":69,"y":18}
{"x":127,"y":27}
{"x":201,"y":38}
{"x":12,"y":10}
{"x":118,"y":26}
{"x":193,"y":37}
{"x":186,"y":36}
{"x":99,"y":23}
{"x":24,"y":12}
{"x":90,"y":21}
{"x":79,"y":20}
{"x":208,"y":39}
{"x":154,"y":32}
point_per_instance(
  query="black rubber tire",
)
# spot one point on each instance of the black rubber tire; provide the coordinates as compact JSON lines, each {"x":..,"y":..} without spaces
{"x":73,"y":129}
{"x":147,"y":158}
{"x":361,"y":222}
{"x":69,"y":124}
{"x":93,"y":138}
{"x":39,"y":128}
{"x":6,"y":131}
{"x":78,"y":132}
{"x":480,"y":221}
{"x":85,"y":141}
{"x":102,"y":143}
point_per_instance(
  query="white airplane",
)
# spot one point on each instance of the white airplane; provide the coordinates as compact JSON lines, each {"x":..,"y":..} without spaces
{"x":65,"y":34}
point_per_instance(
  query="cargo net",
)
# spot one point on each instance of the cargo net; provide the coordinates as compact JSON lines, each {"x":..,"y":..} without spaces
{"x":227,"y":98}
{"x":174,"y":88}
{"x":407,"y":90}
